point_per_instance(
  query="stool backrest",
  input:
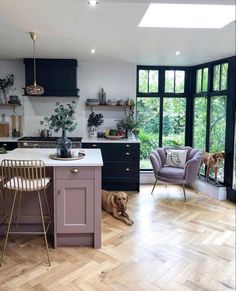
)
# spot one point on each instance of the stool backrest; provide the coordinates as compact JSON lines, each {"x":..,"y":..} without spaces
{"x":29,"y":174}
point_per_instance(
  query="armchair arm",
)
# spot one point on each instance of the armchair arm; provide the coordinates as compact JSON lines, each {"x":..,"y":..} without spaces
{"x":155,"y":161}
{"x":192,"y":167}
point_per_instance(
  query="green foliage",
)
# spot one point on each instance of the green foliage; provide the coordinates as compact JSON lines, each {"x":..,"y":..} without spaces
{"x":64,"y":118}
{"x":95,"y":119}
{"x":149,"y":142}
{"x":128,"y":122}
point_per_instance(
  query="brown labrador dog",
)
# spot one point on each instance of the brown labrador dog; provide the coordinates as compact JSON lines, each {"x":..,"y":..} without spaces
{"x":116,"y":203}
{"x":212,"y":161}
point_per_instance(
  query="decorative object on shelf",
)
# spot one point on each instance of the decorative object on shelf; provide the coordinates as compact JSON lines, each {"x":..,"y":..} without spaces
{"x":34,"y":89}
{"x":112,"y":102}
{"x":5,"y":86}
{"x":63,"y":119}
{"x":92,"y":102}
{"x":129,"y":122}
{"x":102,"y":97}
{"x":94,"y":121}
{"x":121,"y":102}
{"x":114,"y":134}
{"x":14,"y":99}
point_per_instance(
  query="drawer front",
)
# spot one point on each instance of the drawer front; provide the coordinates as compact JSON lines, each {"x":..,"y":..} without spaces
{"x":121,"y":170}
{"x":117,"y":152}
{"x":74,"y":173}
{"x":9,"y":146}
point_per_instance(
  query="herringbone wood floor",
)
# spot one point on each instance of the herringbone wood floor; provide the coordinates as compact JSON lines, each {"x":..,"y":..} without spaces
{"x":172,"y":246}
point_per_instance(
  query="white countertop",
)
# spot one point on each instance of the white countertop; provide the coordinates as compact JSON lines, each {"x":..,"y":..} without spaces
{"x":106,"y":140}
{"x":93,"y":157}
{"x":9,"y":139}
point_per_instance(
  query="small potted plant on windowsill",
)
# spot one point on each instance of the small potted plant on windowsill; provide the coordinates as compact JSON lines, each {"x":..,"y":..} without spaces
{"x":63,"y":119}
{"x":94,"y":121}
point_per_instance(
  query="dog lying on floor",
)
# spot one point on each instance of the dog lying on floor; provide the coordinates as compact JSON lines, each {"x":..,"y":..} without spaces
{"x":116,"y":203}
{"x":212,"y":161}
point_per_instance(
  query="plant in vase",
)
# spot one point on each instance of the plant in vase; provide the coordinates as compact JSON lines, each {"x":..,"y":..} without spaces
{"x":63,"y":119}
{"x":130,"y":125}
{"x":94,"y":121}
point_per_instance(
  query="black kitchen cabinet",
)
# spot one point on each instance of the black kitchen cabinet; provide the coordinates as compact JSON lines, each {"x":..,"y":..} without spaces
{"x":58,"y":77}
{"x":9,"y":146}
{"x":121,"y":165}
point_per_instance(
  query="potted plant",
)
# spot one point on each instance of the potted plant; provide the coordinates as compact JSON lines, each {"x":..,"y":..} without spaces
{"x":63,"y":119}
{"x":94,"y":121}
{"x":130,"y":125}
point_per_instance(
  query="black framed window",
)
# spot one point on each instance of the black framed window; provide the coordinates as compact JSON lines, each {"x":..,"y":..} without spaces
{"x":161,"y":108}
{"x":210,"y":103}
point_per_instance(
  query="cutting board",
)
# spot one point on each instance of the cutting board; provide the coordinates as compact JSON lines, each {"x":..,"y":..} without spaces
{"x":4,"y":129}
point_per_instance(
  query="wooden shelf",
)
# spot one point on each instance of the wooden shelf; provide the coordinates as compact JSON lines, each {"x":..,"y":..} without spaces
{"x":109,"y":106}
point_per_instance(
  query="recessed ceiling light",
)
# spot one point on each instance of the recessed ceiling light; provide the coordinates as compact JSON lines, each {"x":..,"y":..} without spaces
{"x":93,"y":2}
{"x":188,"y":15}
{"x":177,"y":53}
{"x":93,"y":51}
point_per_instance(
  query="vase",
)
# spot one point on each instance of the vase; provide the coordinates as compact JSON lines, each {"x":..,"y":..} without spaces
{"x":64,"y":146}
{"x":129,"y":134}
{"x":93,"y":132}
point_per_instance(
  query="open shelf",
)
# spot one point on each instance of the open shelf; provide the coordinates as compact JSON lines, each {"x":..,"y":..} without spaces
{"x":109,"y":106}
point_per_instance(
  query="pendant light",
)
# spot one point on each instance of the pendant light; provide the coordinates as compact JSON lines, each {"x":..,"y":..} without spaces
{"x":34,"y":89}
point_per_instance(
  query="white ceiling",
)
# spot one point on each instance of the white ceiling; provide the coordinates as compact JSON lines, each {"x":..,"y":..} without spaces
{"x":70,"y":28}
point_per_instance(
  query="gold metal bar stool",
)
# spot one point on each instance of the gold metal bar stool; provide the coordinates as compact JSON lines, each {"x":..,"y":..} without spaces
{"x":2,"y":202}
{"x":26,"y":176}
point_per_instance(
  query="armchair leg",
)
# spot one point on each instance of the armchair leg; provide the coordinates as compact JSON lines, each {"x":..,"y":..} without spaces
{"x":154,"y":186}
{"x":184,"y":193}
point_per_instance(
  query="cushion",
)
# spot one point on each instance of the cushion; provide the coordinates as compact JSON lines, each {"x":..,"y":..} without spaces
{"x":176,"y":158}
{"x":171,"y":173}
{"x":26,"y":184}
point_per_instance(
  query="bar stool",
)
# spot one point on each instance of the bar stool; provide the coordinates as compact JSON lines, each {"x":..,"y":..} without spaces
{"x":2,"y":201}
{"x":26,"y":176}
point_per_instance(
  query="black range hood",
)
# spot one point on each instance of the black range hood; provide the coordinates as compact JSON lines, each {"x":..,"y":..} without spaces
{"x":58,"y":77}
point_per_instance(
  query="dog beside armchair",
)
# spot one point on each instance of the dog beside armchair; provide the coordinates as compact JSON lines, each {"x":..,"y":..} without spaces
{"x":176,"y":175}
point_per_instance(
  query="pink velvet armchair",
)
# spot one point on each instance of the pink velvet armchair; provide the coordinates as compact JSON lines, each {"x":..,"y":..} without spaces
{"x":172,"y":175}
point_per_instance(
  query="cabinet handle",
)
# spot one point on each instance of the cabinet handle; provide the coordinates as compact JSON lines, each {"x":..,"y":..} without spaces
{"x":58,"y":192}
{"x":127,"y":169}
{"x":4,"y":144}
{"x":94,"y":145}
{"x":127,"y":145}
{"x":127,"y":154}
{"x":75,"y":171}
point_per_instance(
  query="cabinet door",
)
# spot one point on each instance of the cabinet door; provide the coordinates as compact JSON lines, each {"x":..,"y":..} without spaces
{"x":75,"y":206}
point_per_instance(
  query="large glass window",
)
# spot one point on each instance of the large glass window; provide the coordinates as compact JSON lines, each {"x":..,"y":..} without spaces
{"x":148,"y":81}
{"x":202,"y":80}
{"x":220,"y":77}
{"x":200,"y":115}
{"x":174,"y":81}
{"x":148,"y":115}
{"x":174,"y":110}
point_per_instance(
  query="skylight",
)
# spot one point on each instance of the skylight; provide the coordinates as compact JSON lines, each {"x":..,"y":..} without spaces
{"x":188,"y":15}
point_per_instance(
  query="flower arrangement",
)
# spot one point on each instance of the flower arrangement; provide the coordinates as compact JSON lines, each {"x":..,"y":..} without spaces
{"x":5,"y":85}
{"x":63,"y":119}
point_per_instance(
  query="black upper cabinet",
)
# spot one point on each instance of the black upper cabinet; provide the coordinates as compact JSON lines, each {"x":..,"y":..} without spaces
{"x":58,"y":77}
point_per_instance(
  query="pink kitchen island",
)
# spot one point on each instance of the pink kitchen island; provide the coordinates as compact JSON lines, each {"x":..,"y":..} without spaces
{"x":74,"y":197}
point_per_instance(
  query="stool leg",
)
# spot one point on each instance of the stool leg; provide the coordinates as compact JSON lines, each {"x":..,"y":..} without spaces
{"x":184,"y":193}
{"x":49,"y":214}
{"x":8,"y":228}
{"x":18,"y":214}
{"x":44,"y":230}
{"x":4,"y":208}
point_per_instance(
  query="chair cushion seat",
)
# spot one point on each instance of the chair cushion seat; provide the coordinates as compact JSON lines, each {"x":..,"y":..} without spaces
{"x":172,"y":173}
{"x":26,"y":184}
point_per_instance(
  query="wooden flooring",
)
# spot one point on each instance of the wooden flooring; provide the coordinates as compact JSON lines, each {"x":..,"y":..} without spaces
{"x":172,"y":246}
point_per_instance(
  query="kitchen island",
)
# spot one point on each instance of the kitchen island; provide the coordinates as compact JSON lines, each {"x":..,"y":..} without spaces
{"x":74,"y":196}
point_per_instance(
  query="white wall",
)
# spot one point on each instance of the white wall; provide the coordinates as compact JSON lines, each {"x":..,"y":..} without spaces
{"x":117,"y":79}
